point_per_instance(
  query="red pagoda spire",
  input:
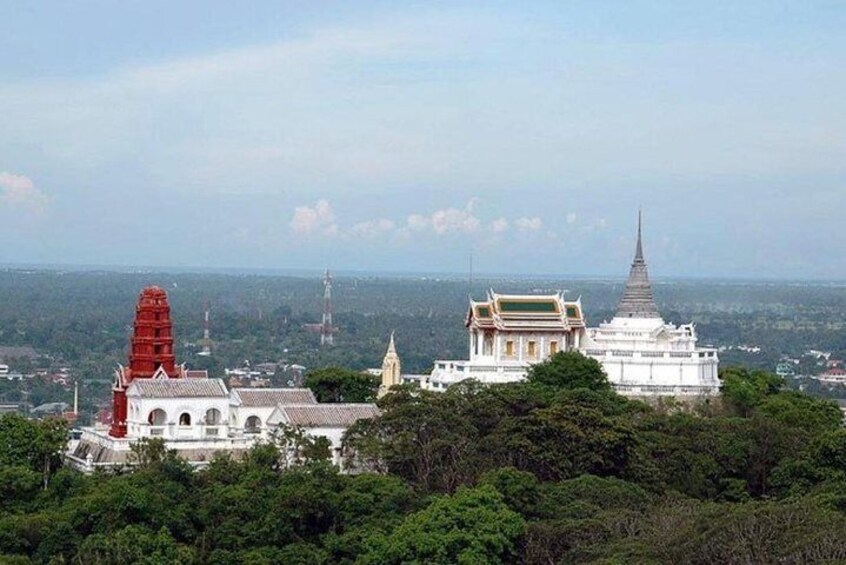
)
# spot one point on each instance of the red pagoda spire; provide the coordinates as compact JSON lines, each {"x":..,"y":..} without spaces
{"x":151,"y":351}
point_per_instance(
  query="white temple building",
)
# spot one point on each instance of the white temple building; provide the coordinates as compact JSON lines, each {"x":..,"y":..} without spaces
{"x":200,"y":417}
{"x":508,"y":333}
{"x":644,"y":356}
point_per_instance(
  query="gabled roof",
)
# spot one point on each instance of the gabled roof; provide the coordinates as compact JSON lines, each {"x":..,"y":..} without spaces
{"x":322,"y":415}
{"x":177,"y":388}
{"x":525,"y":311}
{"x":270,"y":397}
{"x":638,"y":300}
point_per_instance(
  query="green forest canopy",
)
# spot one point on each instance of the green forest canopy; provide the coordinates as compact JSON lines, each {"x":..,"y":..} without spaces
{"x":558,"y":469}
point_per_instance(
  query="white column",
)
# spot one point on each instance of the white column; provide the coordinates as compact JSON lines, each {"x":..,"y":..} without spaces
{"x":520,"y":349}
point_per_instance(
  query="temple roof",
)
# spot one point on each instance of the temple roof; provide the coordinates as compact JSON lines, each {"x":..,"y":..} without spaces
{"x":177,"y":388}
{"x":323,"y":415}
{"x":269,"y":397}
{"x":638,"y":300}
{"x":525,"y":312}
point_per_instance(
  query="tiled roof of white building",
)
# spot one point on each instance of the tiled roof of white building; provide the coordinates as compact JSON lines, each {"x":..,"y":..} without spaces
{"x":269,"y":397}
{"x":176,"y":388}
{"x":323,"y":415}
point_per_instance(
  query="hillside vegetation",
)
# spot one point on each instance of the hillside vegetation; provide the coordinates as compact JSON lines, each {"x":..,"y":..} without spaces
{"x":558,"y":469}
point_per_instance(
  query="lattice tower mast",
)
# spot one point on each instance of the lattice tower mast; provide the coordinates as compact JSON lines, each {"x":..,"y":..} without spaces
{"x":326,"y":327}
{"x":206,"y":331}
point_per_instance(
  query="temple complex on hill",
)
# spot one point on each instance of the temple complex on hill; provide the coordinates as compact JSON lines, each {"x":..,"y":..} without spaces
{"x":197,"y":416}
{"x":645,"y":356}
{"x":641,"y":354}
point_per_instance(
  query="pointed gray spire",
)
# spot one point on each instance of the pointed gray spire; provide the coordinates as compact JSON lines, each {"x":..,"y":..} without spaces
{"x":639,"y":250}
{"x":638,"y":301}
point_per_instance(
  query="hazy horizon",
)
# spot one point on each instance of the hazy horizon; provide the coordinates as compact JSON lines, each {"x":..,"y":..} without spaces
{"x":318,"y":274}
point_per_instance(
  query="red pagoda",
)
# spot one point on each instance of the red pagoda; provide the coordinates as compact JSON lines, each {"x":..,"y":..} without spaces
{"x":151,"y":354}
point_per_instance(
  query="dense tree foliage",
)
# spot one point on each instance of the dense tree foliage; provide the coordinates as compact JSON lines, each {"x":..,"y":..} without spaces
{"x":29,"y":449}
{"x":335,"y":384}
{"x":553,"y":470}
{"x":569,"y":370}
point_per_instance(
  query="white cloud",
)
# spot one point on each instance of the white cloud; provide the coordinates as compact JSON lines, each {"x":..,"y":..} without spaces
{"x":18,"y":191}
{"x":372,"y":228}
{"x":446,"y":220}
{"x":319,"y":219}
{"x":528,"y":224}
{"x":453,"y":220}
{"x":499,"y":225}
{"x":571,"y":218}
{"x":416,"y":222}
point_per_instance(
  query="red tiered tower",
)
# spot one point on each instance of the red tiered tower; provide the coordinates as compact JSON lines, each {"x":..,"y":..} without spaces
{"x":151,"y":351}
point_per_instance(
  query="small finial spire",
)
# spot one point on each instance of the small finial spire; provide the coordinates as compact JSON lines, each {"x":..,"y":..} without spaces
{"x":391,"y":346}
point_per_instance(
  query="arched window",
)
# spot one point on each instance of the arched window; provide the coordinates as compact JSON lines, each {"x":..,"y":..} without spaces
{"x":253,"y":425}
{"x":213,"y":417}
{"x":185,"y":419}
{"x":157,"y":417}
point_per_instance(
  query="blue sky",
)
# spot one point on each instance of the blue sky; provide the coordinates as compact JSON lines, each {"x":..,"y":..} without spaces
{"x":405,"y":136}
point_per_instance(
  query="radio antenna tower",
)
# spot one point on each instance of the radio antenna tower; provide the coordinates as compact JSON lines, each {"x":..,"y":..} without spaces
{"x":206,"y":341}
{"x":326,"y":327}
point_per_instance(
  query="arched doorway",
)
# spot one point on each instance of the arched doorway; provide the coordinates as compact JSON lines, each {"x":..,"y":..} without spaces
{"x":213,"y":417}
{"x":253,"y":425}
{"x":157,"y":417}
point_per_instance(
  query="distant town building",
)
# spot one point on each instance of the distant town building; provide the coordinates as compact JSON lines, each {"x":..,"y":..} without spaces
{"x":785,"y":369}
{"x":10,"y":408}
{"x":14,"y":376}
{"x":818,"y":354}
{"x":835,"y":375}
